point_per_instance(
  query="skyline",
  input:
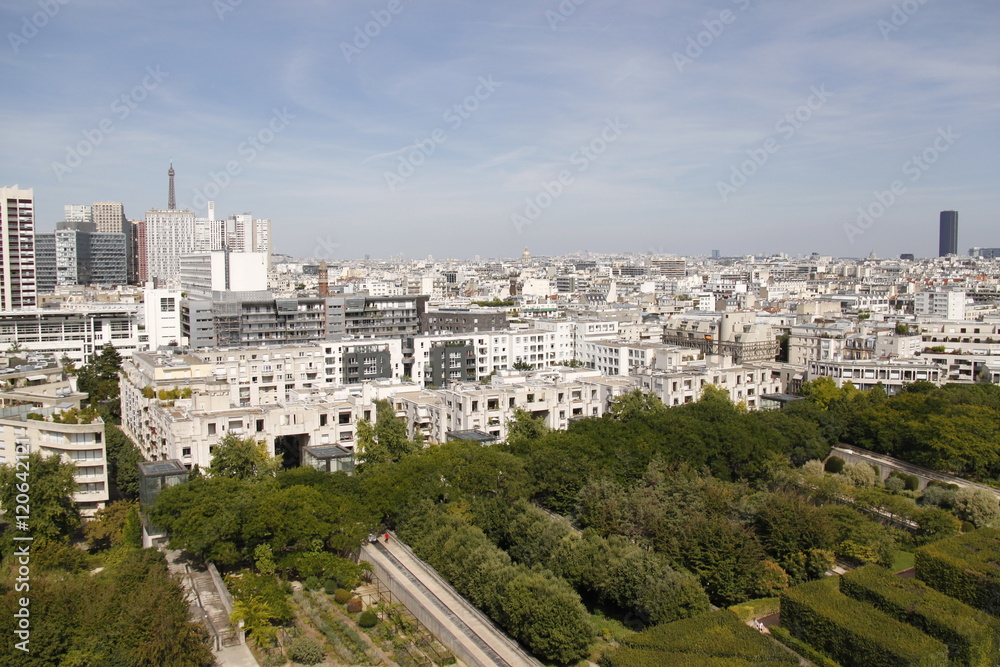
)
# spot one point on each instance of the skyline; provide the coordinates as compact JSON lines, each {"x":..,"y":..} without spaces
{"x":623,"y":131}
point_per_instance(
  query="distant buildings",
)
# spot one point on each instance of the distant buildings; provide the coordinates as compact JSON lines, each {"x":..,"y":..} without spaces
{"x":18,"y":287}
{"x":948,"y":237}
{"x":77,"y":254}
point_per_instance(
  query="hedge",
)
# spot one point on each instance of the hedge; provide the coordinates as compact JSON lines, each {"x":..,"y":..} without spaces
{"x":852,"y":632}
{"x":803,"y":649}
{"x":964,"y":567}
{"x":634,"y":657}
{"x":970,"y":634}
{"x":834,"y":464}
{"x":717,"y":635}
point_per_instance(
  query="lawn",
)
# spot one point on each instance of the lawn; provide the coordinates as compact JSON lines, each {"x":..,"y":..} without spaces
{"x":902,"y":561}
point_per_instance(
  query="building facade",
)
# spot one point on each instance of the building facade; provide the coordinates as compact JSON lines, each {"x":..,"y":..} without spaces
{"x":18,"y":287}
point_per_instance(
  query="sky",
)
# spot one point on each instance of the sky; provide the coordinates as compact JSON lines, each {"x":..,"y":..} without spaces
{"x":456,"y":129}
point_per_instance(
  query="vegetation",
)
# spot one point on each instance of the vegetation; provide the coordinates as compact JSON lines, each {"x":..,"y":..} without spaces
{"x":242,"y":458}
{"x":716,"y":638}
{"x":852,"y":632}
{"x":99,"y":380}
{"x":971,"y":635}
{"x":964,"y":567}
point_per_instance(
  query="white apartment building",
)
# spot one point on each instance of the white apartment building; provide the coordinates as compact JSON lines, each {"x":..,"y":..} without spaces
{"x":684,"y":384}
{"x":80,"y":444}
{"x":76,"y":332}
{"x":170,"y":233}
{"x":162,"y":317}
{"x":179,"y":406}
{"x":18,"y":287}
{"x":892,"y":374}
{"x":949,"y":305}
{"x":556,"y":395}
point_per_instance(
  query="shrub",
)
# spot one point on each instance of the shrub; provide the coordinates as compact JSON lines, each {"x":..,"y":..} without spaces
{"x":834,"y":464}
{"x":354,"y":606}
{"x":306,"y":651}
{"x":970,"y":634}
{"x":894,"y":484}
{"x":368,"y":619}
{"x":717,"y":638}
{"x":330,"y":586}
{"x":313,"y":584}
{"x":752,"y":609}
{"x":860,"y":474}
{"x":910,"y":482}
{"x":852,"y":632}
{"x":977,"y":506}
{"x":802,"y":648}
{"x":340,"y":596}
{"x":964,"y":567}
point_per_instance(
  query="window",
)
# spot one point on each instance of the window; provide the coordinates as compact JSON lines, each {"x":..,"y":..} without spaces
{"x":168,"y":305}
{"x":322,"y":420}
{"x":186,"y":451}
{"x":211,"y":429}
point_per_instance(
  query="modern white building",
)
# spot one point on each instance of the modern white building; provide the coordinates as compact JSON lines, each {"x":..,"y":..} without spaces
{"x":162,"y":317}
{"x":949,"y":305}
{"x":222,"y":271}
{"x":18,"y":288}
{"x":892,"y":374}
{"x":74,"y":332}
{"x":170,"y":234}
{"x":80,"y":444}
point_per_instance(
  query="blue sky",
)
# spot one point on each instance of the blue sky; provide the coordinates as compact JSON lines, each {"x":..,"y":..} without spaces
{"x":481,"y":128}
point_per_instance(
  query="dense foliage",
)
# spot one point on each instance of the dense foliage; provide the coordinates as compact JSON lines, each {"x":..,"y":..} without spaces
{"x":225,"y":519}
{"x":719,"y":636}
{"x":132,"y":614}
{"x":537,"y":608}
{"x":971,"y":635}
{"x":965,"y":567}
{"x":854,"y":633}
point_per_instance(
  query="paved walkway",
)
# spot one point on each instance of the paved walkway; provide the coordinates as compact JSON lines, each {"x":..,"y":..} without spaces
{"x":235,"y":656}
{"x":460,"y":626}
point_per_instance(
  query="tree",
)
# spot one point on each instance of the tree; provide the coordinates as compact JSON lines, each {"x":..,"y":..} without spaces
{"x":524,"y":428}
{"x":386,"y":440}
{"x":50,"y":486}
{"x":242,"y":458}
{"x":99,"y":380}
{"x":631,"y":405}
{"x":977,"y":506}
{"x":256,"y":616}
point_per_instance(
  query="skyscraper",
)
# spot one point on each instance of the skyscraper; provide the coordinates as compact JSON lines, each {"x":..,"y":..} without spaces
{"x":948,"y":240}
{"x":110,"y":219}
{"x":17,"y":237}
{"x":170,"y":233}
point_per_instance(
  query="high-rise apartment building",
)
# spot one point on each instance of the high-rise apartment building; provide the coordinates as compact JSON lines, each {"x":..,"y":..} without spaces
{"x":170,"y":233}
{"x":18,"y":289}
{"x":77,"y":213}
{"x":109,"y":217}
{"x":948,"y":239}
